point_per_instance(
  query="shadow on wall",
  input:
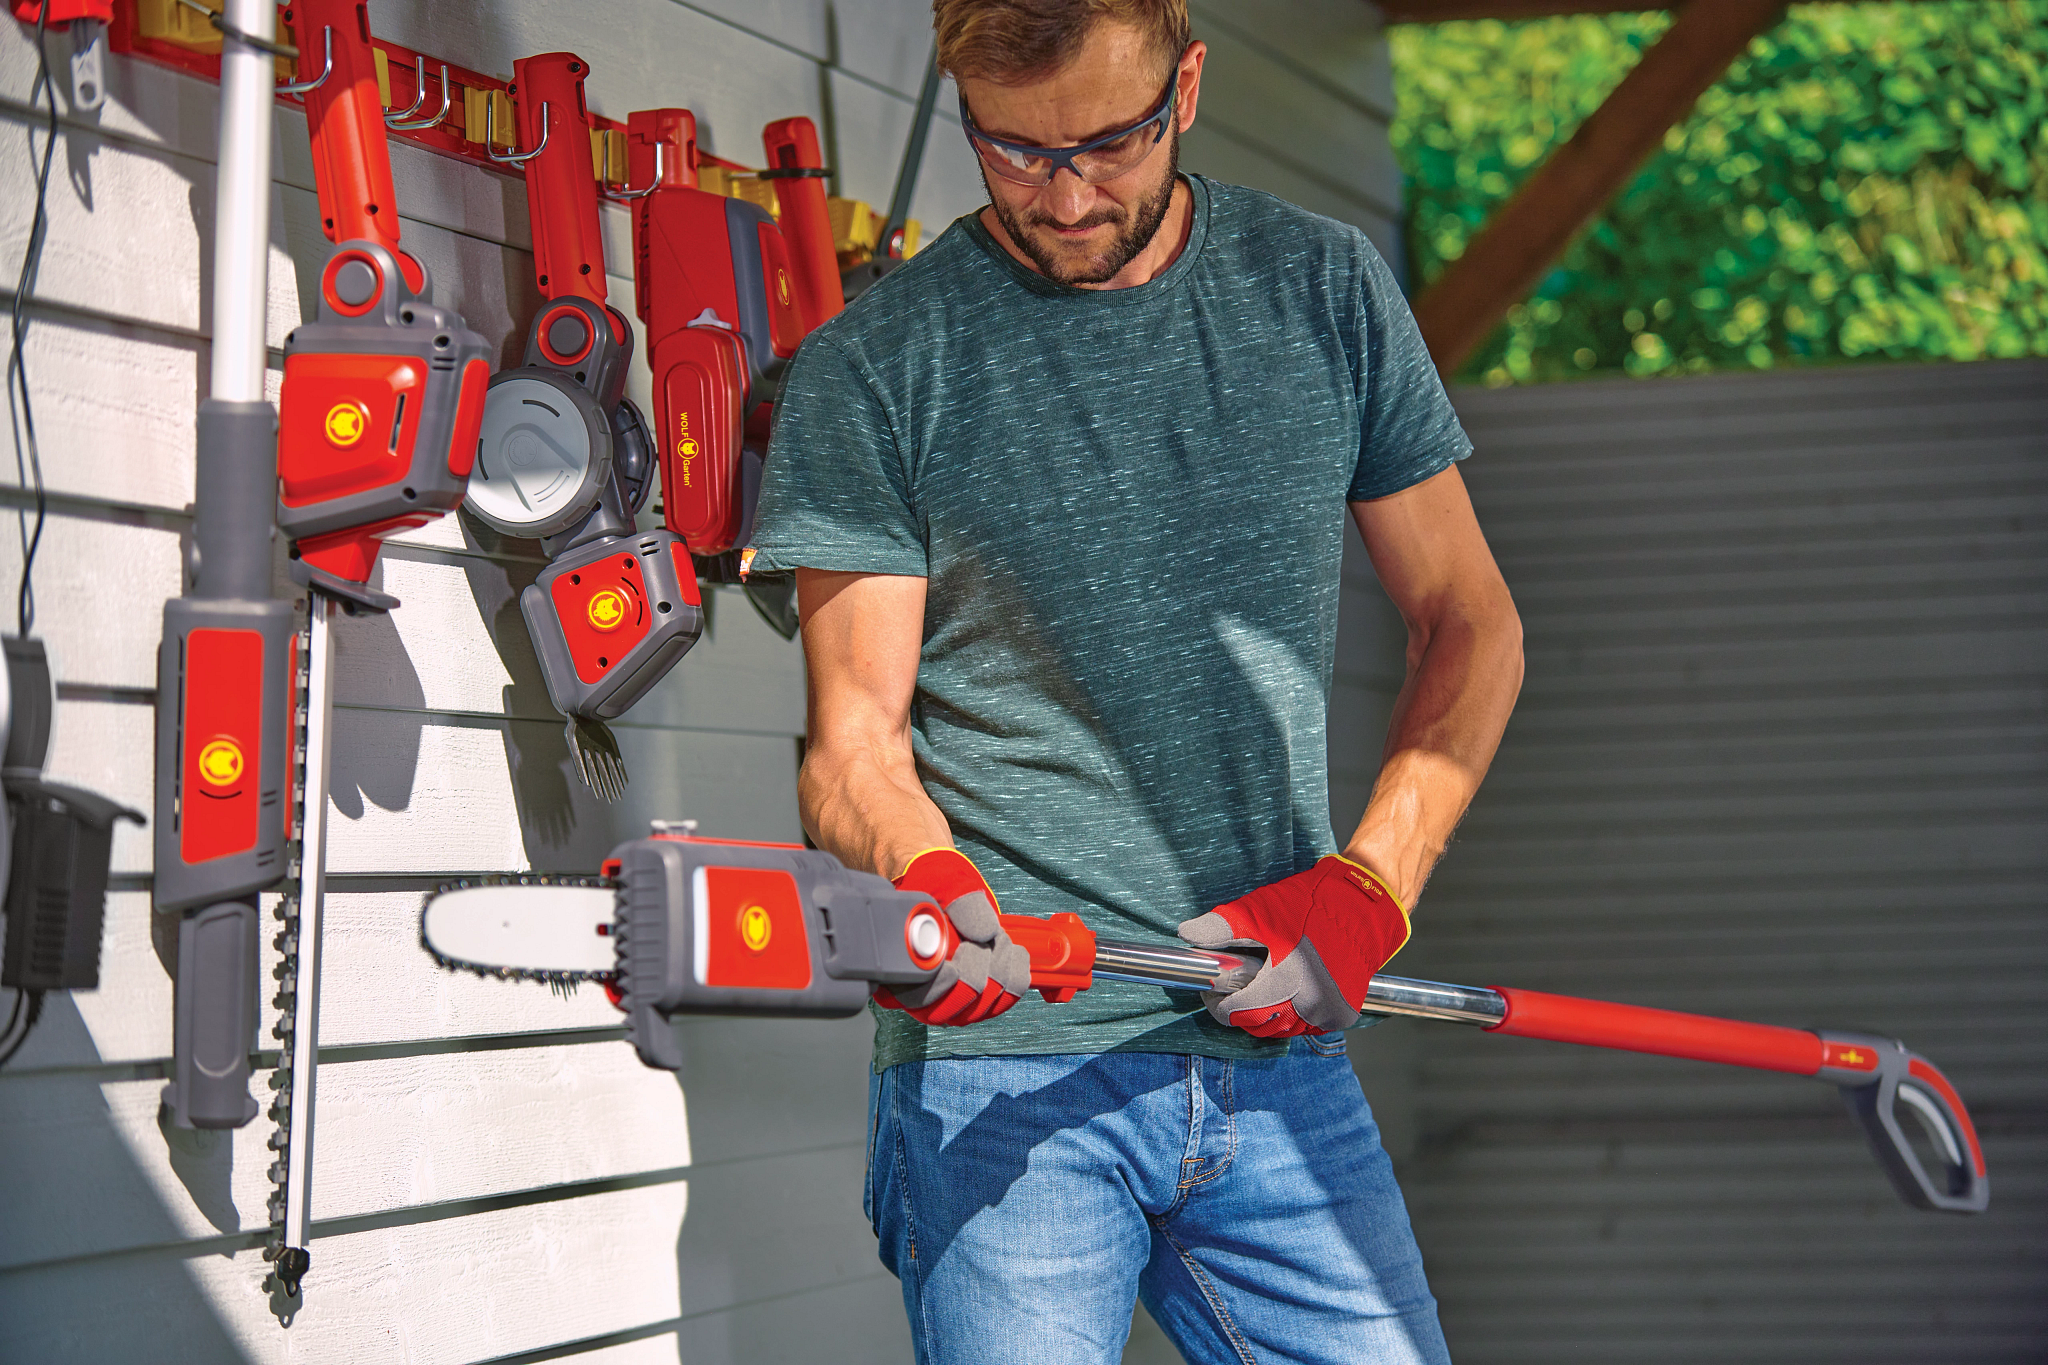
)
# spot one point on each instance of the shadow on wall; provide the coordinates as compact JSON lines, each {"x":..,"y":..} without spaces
{"x":78,"y":1200}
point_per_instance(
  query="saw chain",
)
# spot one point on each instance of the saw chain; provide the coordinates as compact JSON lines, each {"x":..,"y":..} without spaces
{"x":285,"y":1002}
{"x":564,"y":981}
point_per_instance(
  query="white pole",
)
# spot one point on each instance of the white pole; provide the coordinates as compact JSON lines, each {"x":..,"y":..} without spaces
{"x":241,"y":207}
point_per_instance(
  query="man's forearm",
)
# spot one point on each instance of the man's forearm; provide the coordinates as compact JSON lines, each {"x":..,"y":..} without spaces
{"x":1447,"y":722}
{"x":867,"y":808}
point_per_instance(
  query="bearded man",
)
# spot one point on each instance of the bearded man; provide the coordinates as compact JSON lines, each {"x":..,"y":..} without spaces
{"x":1064,"y":497}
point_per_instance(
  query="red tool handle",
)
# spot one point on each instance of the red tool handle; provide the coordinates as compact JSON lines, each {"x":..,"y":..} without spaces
{"x":664,"y":139}
{"x":792,"y":144}
{"x":64,"y":11}
{"x":1666,"y":1033}
{"x":561,"y":185}
{"x":345,"y":123}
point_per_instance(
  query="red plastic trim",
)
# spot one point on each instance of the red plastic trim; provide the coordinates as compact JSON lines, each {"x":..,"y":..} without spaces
{"x":1926,"y":1073}
{"x":540,"y":330}
{"x":1665,"y":1033}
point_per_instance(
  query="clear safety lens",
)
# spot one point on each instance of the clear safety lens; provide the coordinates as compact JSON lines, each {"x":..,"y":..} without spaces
{"x":1095,"y":165}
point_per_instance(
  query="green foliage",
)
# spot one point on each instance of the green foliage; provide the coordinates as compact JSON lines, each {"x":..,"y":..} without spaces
{"x":1870,"y":180}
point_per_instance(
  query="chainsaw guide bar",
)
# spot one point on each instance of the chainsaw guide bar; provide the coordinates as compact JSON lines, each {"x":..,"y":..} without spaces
{"x":492,"y":927}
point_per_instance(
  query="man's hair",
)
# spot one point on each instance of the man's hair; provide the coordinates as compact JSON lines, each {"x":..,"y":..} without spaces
{"x":1011,"y":41}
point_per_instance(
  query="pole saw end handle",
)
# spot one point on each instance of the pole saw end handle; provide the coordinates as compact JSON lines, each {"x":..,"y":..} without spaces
{"x":1878,"y":1077}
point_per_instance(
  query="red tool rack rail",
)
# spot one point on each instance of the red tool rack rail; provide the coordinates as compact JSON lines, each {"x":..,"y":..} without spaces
{"x":444,"y":107}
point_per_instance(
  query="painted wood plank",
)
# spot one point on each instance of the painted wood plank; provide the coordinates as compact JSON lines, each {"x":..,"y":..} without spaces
{"x":94,"y":259}
{"x":100,"y":588}
{"x":394,"y":1133}
{"x":417,"y":795}
{"x":1214,"y":152}
{"x":459,"y":643}
{"x":1339,"y":42}
{"x":1263,"y":103}
{"x":114,"y":410}
{"x":452,"y":1290}
{"x":856,"y":1322}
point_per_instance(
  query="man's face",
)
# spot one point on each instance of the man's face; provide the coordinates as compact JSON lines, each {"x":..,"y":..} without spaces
{"x":1075,"y":232}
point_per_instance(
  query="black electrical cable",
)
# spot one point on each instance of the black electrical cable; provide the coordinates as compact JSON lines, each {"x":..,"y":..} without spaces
{"x":28,"y":458}
{"x":28,"y":1026}
{"x":29,"y":464}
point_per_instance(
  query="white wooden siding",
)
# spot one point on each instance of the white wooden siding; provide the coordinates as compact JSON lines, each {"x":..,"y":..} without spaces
{"x":497,"y":1177}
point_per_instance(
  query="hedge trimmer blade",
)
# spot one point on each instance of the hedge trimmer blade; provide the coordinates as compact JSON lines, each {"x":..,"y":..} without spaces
{"x":526,"y":928}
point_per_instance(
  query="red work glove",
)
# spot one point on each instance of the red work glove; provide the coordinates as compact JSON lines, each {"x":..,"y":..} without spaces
{"x":1325,"y":932}
{"x":987,"y":973}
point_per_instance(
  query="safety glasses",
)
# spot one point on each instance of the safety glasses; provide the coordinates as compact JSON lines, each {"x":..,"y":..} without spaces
{"x":1097,"y":160}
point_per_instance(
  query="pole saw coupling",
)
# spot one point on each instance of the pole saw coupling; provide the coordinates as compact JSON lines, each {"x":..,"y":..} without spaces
{"x":676,"y":924}
{"x":384,"y":392}
{"x":726,"y":299}
{"x":565,"y":457}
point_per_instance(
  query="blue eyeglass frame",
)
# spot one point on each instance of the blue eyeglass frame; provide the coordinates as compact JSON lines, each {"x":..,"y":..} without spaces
{"x":1062,"y":158}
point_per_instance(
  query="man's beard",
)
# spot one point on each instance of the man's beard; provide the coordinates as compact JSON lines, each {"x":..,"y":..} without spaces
{"x":1137,"y":228}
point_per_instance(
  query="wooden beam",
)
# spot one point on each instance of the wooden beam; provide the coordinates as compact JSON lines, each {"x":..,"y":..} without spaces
{"x":1528,"y":233}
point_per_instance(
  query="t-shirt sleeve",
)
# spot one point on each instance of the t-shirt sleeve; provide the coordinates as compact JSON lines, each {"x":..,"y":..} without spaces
{"x":834,"y":494}
{"x":1410,"y":432}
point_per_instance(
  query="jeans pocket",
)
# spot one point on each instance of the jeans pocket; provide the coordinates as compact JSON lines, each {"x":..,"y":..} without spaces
{"x":1325,"y":1044}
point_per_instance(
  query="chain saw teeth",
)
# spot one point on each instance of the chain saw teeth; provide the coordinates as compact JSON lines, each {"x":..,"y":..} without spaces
{"x":563,"y":983}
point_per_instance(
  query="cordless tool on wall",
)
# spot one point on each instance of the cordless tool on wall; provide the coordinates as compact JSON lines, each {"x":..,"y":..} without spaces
{"x":676,"y":924}
{"x":565,"y":456}
{"x":726,"y":295}
{"x":377,"y":428}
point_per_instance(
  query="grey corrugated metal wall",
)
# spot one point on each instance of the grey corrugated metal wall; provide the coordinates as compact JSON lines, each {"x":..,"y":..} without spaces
{"x":1780,"y":756}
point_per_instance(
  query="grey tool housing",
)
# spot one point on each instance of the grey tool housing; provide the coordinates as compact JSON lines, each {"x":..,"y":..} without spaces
{"x":227,"y":598}
{"x":366,"y":310}
{"x":659,"y":951}
{"x":564,"y":457}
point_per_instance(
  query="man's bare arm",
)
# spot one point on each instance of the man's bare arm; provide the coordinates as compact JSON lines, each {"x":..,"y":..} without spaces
{"x":858,"y":793}
{"x":1464,"y":671}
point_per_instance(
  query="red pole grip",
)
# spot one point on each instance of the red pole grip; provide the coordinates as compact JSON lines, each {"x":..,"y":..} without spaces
{"x":561,"y":184}
{"x":1667,"y":1033}
{"x":1062,"y":952}
{"x":345,"y":124}
{"x":792,"y":144}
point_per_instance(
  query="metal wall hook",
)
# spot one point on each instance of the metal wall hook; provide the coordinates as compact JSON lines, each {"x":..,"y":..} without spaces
{"x":405,"y":123}
{"x":393,"y":116}
{"x":490,"y":136}
{"x":622,"y":195}
{"x":326,"y":69}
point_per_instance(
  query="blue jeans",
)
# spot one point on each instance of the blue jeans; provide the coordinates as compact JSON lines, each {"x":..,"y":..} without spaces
{"x":1025,"y":1202}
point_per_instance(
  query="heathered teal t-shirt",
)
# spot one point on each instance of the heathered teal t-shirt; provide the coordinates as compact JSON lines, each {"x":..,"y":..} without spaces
{"x":1129,"y":508}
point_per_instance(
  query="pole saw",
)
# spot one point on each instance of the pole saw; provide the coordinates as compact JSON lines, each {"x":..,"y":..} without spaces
{"x":674,"y":924}
{"x":565,"y":457}
{"x":377,"y":429}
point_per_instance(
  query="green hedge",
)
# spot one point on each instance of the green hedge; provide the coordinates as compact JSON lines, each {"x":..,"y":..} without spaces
{"x":1868,"y":181}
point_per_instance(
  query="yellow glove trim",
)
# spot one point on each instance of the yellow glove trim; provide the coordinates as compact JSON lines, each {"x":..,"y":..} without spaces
{"x":1407,"y":921}
{"x":943,"y":848}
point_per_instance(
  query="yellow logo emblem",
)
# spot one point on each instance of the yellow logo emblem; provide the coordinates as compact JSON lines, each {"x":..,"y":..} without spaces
{"x":220,"y":763}
{"x":686,"y":445}
{"x":607,"y":610}
{"x":755,"y":927}
{"x":346,"y":422}
{"x":1853,"y":1057}
{"x":782,"y":287}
